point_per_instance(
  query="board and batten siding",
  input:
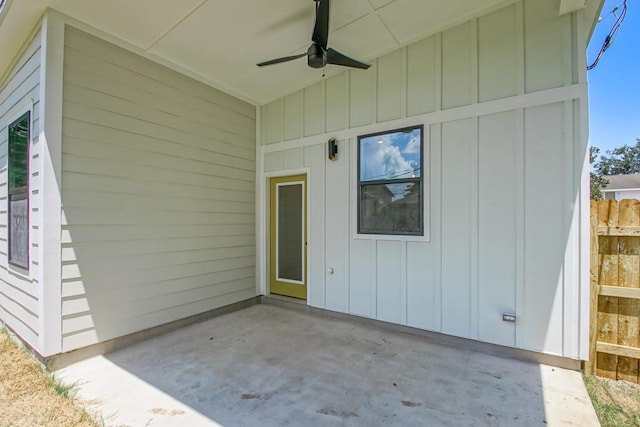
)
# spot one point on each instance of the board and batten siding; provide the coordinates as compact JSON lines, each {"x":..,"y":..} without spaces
{"x":501,"y":102}
{"x":158,"y":193}
{"x":20,"y":292}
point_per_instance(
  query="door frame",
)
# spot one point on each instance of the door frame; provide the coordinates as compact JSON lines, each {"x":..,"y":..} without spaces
{"x":264,"y":254}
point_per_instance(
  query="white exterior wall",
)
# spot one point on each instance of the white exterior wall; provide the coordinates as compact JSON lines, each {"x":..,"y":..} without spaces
{"x":503,"y":101}
{"x":158,"y":193}
{"x":631,"y":194}
{"x":21,"y":291}
{"x":623,"y":194}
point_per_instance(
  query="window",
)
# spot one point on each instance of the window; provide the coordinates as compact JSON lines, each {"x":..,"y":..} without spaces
{"x":390,"y":182}
{"x":18,"y":187}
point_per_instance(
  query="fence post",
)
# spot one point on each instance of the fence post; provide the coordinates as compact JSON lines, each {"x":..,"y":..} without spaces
{"x":590,"y":365}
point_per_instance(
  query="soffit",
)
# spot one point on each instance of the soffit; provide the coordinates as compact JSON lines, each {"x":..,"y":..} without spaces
{"x":222,"y":40}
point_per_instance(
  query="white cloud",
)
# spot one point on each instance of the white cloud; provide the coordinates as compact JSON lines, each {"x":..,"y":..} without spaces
{"x":384,"y":161}
{"x":413,"y":147}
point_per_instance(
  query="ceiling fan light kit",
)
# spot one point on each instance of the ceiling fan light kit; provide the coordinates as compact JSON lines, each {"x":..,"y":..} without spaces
{"x":319,"y":55}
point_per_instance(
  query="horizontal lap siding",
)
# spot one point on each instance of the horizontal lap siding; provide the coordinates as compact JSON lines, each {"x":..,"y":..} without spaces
{"x":19,"y":293}
{"x":158,"y":195}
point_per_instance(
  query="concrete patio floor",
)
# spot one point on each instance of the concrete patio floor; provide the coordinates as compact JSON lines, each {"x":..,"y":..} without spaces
{"x":272,"y":366}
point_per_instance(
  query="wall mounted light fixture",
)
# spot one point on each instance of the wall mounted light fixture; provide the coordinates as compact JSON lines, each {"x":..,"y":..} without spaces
{"x":333,"y":149}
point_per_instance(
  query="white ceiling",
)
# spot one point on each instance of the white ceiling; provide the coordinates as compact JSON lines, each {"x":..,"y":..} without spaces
{"x":221,"y":40}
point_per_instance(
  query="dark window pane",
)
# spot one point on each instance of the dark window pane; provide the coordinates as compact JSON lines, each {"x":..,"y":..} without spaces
{"x":18,"y":143}
{"x":290,"y":232}
{"x":395,"y":155}
{"x":19,"y":229}
{"x":391,"y":208}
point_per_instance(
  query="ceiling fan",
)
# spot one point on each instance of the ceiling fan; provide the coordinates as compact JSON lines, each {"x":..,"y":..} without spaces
{"x":318,"y":55}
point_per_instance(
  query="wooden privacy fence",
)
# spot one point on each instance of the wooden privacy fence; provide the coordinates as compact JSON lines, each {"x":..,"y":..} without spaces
{"x":615,"y":290}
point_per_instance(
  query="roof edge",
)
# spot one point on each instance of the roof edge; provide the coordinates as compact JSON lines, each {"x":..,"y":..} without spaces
{"x":6,"y":73}
{"x":593,"y":12}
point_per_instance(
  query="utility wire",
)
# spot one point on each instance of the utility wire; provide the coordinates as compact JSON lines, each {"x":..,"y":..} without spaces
{"x":400,"y":174}
{"x":608,"y":40}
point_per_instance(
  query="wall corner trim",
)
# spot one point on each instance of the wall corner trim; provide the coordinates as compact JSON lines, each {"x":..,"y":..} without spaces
{"x":51,"y":82}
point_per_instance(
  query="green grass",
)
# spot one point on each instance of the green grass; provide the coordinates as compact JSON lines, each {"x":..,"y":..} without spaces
{"x":32,"y":396}
{"x":617,"y":403}
{"x":62,"y":389}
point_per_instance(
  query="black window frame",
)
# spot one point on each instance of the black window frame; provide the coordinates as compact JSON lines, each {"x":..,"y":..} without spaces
{"x":19,"y":193}
{"x":419,"y":180}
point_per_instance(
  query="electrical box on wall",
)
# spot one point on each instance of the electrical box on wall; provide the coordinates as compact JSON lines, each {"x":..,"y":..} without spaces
{"x":509,"y":317}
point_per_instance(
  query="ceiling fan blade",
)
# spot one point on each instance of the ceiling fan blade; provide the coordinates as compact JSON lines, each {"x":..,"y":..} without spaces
{"x":281,"y":60}
{"x":321,"y":28}
{"x":336,"y":58}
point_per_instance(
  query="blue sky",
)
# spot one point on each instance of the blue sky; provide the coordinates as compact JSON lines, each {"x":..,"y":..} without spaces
{"x":394,"y":155}
{"x":614,"y":85}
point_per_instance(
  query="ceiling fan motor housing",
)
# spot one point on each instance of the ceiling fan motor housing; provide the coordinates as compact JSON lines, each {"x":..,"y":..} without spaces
{"x":316,"y":56}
